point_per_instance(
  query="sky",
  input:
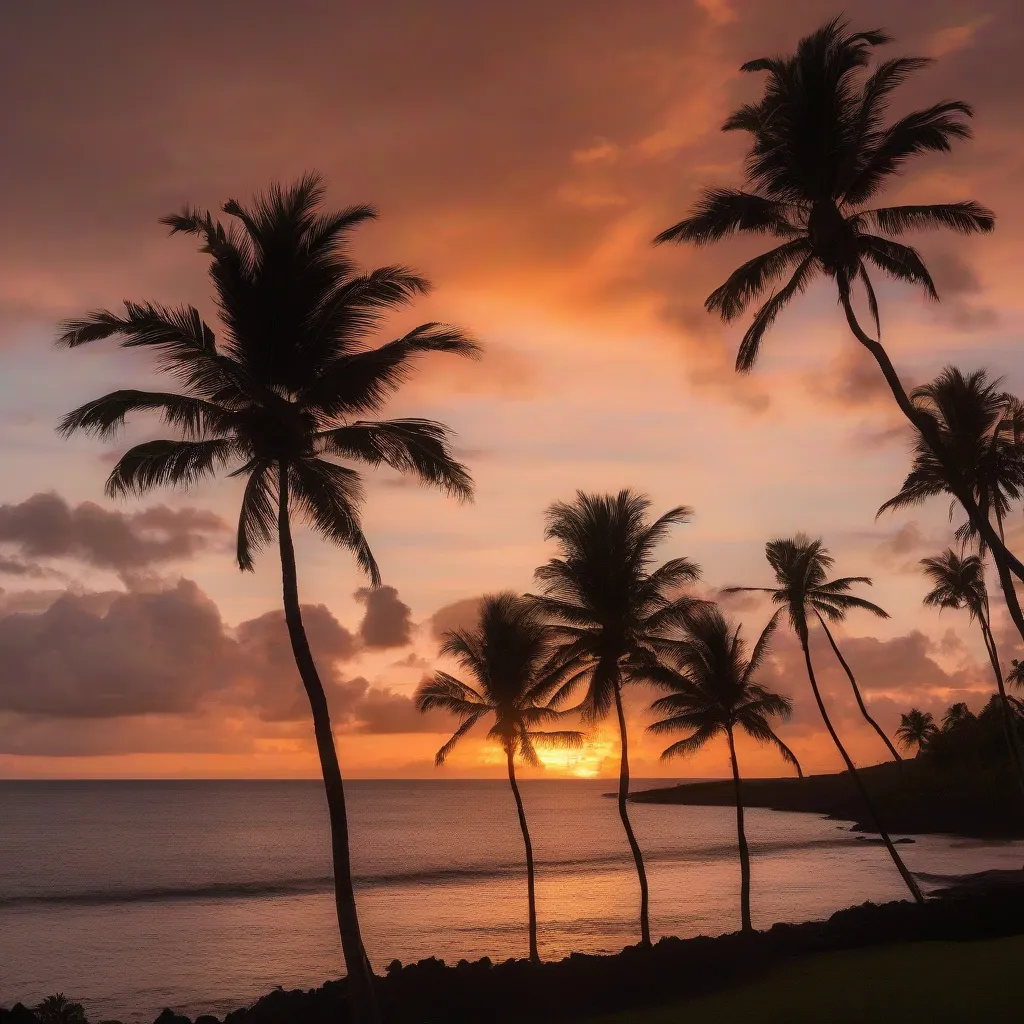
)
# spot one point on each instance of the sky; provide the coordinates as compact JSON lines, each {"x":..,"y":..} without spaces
{"x":522,"y":156}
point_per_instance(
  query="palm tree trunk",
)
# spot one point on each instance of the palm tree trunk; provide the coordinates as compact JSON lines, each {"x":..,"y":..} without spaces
{"x":638,"y":857}
{"x":1005,"y":560}
{"x":531,"y":898}
{"x":1009,"y":719}
{"x":742,"y":836}
{"x":363,"y":999}
{"x":908,"y":878}
{"x":856,"y":691}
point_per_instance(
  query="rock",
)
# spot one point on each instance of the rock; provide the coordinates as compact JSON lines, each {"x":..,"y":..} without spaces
{"x":18,"y":1014}
{"x":896,"y":842}
{"x":170,"y":1017}
{"x":207,"y":1018}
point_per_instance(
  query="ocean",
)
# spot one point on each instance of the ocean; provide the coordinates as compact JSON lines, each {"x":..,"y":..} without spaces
{"x":202,"y":896}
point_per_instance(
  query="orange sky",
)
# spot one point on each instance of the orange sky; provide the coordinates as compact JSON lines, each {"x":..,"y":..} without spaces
{"x":522,"y":156}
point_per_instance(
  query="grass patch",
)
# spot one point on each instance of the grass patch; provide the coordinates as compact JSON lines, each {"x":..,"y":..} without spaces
{"x":917,"y":983}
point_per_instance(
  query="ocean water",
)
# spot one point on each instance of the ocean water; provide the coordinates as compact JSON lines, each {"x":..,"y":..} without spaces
{"x":202,"y":896}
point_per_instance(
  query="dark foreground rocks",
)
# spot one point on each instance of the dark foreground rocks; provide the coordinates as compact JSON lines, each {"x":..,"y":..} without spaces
{"x":514,"y":992}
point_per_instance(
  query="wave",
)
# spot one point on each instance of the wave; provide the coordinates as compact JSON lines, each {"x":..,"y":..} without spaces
{"x":267,"y":889}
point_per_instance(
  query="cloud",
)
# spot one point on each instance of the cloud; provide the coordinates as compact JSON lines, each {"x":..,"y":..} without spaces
{"x":266,"y":666}
{"x":144,"y":653}
{"x":462,"y":614}
{"x":387,"y":621}
{"x":46,"y":526}
{"x":381,"y":711}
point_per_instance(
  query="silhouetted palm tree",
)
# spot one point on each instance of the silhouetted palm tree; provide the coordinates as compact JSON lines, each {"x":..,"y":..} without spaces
{"x":58,"y":1009}
{"x":960,"y":583}
{"x":956,"y":716}
{"x":1016,"y":674}
{"x":820,"y":152}
{"x":277,"y":400}
{"x":800,"y":567}
{"x":609,"y":604}
{"x":506,"y":654}
{"x":982,"y":428}
{"x":916,"y":729}
{"x":832,"y":600}
{"x":710,"y":675}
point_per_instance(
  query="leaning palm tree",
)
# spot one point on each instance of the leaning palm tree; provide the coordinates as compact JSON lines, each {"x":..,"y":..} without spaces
{"x":609,"y":605}
{"x":831,"y":600}
{"x":800,"y":566}
{"x":820,"y":152}
{"x":917,"y":729}
{"x":960,"y":583}
{"x":982,"y":426}
{"x":506,"y":654}
{"x":709,"y":673}
{"x":277,"y":402}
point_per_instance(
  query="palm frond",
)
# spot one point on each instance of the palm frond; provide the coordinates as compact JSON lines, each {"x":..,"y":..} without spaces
{"x":768,"y":314}
{"x":257,"y":516}
{"x":965,"y":218}
{"x":721,"y":212}
{"x":330,"y":497}
{"x":421,"y":447}
{"x":158,"y":463}
{"x":900,"y":262}
{"x":748,"y":281}
{"x":104,"y":416}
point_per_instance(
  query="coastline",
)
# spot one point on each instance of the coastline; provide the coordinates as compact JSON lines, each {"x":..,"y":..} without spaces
{"x":581,"y":985}
{"x":913,"y":797}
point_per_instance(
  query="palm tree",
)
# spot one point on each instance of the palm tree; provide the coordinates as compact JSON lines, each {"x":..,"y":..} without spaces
{"x":832,"y":600}
{"x":277,"y":399}
{"x":960,"y":583}
{"x":820,"y":151}
{"x":609,"y":604}
{"x":58,"y":1009}
{"x":917,"y":729}
{"x":957,"y":716}
{"x":710,"y":678}
{"x":506,"y":655}
{"x":982,"y":427}
{"x":1016,"y":674}
{"x":800,"y":566}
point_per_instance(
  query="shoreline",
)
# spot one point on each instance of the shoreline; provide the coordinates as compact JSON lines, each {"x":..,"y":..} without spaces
{"x":913,"y":798}
{"x":987,"y":905}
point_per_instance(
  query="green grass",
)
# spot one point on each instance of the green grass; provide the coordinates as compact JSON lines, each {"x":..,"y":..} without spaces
{"x":918,"y":983}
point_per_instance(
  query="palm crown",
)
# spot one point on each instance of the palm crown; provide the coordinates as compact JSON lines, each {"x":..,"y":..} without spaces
{"x":821,"y":150}
{"x":801,"y":568}
{"x":916,"y":728}
{"x":278,"y":398}
{"x":508,"y":654}
{"x":710,"y":675}
{"x":608,"y":601}
{"x":982,"y":428}
{"x":956,"y":582}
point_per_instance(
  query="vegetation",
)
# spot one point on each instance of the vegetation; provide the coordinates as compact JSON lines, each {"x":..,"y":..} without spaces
{"x":276,"y":400}
{"x":801,"y":566}
{"x":609,"y":607}
{"x":820,"y":150}
{"x":709,"y":676}
{"x":508,"y":655}
{"x":916,"y":729}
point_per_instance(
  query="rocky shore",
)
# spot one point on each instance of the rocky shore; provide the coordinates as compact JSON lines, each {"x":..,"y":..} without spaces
{"x":514,"y":992}
{"x":913,"y":797}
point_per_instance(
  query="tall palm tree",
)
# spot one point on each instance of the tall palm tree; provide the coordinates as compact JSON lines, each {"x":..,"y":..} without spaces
{"x":957,"y":716}
{"x":916,"y":729}
{"x":277,"y":401}
{"x":960,"y":583}
{"x":831,"y":600}
{"x":506,"y":654}
{"x":609,"y":605}
{"x":800,"y":566}
{"x":820,"y":152}
{"x":709,"y":674}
